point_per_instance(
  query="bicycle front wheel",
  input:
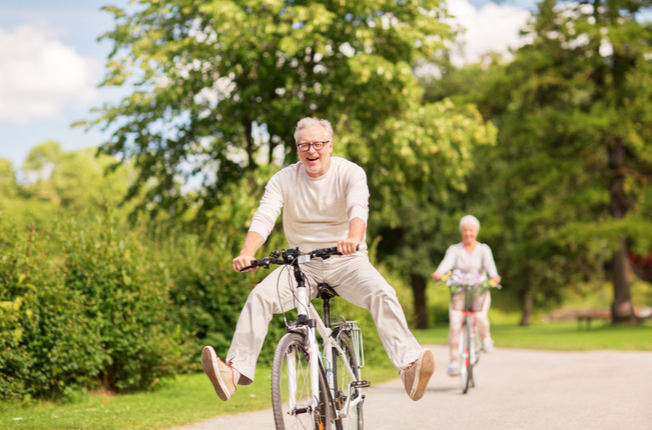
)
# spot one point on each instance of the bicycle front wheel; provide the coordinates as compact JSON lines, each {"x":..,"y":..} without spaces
{"x":347,"y":398}
{"x":466,"y":366}
{"x":291,"y":389}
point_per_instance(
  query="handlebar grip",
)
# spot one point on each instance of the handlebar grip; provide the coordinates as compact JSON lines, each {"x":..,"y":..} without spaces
{"x":256,"y":263}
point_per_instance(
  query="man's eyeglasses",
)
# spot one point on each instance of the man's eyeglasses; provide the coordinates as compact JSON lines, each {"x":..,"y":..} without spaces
{"x":305,"y":147}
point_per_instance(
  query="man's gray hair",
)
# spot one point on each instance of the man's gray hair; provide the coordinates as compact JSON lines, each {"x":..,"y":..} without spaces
{"x":310,"y":122}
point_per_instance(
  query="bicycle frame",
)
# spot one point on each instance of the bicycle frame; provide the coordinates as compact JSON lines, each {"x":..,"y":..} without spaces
{"x":307,"y":325}
{"x":312,"y":324}
{"x":472,"y":354}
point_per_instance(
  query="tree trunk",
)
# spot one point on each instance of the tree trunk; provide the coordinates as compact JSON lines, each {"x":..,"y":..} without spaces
{"x":420,"y":306}
{"x":528,"y":305}
{"x":250,"y":145}
{"x":622,"y":309}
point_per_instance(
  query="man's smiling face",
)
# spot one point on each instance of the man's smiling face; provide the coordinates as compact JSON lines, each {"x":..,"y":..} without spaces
{"x":316,"y":162}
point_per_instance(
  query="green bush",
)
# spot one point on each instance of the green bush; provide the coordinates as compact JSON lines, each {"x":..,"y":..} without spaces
{"x":91,"y":305}
{"x":80,"y":308}
{"x":209,"y":294}
{"x":126,"y":305}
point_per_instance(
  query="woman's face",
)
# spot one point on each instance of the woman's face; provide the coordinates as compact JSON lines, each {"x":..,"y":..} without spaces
{"x":469,"y":233}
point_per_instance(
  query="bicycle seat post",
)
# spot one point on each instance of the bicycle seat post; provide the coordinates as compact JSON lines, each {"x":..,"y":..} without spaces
{"x":327,"y":312}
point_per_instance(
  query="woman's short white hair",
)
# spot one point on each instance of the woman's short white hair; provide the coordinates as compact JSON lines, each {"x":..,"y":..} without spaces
{"x":470,"y":219}
{"x":310,"y":122}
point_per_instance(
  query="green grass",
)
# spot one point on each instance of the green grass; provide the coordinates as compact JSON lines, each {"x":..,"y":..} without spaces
{"x":561,"y":336}
{"x":184,"y":400}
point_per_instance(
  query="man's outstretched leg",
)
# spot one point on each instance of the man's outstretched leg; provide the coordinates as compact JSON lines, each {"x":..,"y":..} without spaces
{"x":250,"y":332}
{"x":416,"y":376}
{"x":223,"y":377}
{"x":357,"y":281}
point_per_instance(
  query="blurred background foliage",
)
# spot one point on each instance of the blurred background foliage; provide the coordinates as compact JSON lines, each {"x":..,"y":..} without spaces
{"x":115,"y":263}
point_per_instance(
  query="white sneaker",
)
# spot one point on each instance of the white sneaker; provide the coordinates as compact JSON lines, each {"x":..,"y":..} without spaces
{"x":453,"y":369}
{"x":488,"y":345}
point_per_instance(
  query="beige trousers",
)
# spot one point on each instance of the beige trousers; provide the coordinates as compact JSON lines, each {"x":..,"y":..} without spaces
{"x":456,"y":318}
{"x":354,"y":278}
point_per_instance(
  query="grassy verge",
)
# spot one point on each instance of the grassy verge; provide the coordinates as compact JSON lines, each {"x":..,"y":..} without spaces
{"x":186,"y":399}
{"x":560,"y":336}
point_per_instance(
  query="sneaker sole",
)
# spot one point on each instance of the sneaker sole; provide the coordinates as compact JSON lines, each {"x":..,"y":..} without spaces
{"x":425,"y":369}
{"x":208,"y":359}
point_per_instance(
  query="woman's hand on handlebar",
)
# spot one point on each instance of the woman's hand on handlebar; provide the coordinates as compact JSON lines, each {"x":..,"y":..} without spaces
{"x":242,"y":261}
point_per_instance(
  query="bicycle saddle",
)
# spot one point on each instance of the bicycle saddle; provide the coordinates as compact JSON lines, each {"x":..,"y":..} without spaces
{"x":325,"y":291}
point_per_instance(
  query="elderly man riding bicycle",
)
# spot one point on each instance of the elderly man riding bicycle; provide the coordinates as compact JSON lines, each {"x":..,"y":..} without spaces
{"x":325,"y":203}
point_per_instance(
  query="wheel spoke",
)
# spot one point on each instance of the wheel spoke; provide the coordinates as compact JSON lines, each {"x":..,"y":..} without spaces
{"x":291,"y":388}
{"x":346,"y":395}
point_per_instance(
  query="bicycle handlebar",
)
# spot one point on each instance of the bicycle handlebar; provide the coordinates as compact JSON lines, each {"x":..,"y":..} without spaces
{"x":290,"y":256}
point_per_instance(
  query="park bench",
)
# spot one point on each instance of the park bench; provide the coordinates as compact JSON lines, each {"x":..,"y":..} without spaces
{"x":581,"y":315}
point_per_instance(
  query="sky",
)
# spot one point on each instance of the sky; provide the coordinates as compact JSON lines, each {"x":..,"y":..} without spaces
{"x":51,"y":63}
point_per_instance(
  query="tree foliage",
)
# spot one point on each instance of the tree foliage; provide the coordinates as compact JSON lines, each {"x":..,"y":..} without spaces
{"x":220,"y":85}
{"x":417,"y":169}
{"x":569,"y":173}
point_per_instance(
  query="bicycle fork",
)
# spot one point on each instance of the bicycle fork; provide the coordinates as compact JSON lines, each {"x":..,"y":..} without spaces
{"x":313,"y":351}
{"x":468,"y":355}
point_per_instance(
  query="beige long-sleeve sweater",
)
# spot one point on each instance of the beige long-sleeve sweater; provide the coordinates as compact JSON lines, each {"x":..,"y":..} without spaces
{"x":316,"y":211}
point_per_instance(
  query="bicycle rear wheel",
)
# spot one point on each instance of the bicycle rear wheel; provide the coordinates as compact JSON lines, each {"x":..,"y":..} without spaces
{"x":291,"y":389}
{"x":354,"y":419}
{"x":466,"y":366}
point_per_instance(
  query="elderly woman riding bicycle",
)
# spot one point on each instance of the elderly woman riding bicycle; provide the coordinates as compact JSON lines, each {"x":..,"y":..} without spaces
{"x":467,"y":256}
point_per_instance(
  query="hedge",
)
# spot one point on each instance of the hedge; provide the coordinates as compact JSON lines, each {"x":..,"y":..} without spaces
{"x":88,"y":304}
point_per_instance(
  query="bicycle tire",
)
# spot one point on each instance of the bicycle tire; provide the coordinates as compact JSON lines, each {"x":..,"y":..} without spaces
{"x":355,"y":418}
{"x":292,"y":347}
{"x":472,"y":354}
{"x":466,"y":367}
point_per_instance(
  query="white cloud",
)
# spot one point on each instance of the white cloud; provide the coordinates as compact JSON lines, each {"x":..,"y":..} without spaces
{"x":493,"y":28}
{"x":40,"y":76}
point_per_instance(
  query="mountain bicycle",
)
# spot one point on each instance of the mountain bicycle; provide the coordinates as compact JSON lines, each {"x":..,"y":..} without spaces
{"x":312,"y":388}
{"x":468,"y":296}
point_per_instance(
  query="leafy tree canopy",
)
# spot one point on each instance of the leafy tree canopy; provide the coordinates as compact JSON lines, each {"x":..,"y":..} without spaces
{"x":219,"y":85}
{"x":570,"y":170}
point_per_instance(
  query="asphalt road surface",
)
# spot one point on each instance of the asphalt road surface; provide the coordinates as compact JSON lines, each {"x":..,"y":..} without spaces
{"x":515,"y":389}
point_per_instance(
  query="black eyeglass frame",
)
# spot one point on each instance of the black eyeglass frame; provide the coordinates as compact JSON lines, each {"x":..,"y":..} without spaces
{"x":313,"y":144}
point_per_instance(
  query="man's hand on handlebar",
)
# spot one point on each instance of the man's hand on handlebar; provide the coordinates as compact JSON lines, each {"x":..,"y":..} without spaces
{"x":347,"y":246}
{"x":242,"y":261}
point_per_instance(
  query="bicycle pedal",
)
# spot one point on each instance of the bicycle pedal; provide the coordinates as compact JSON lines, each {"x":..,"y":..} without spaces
{"x":361,"y":384}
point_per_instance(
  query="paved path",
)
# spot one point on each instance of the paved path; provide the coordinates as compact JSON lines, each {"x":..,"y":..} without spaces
{"x":516,"y":389}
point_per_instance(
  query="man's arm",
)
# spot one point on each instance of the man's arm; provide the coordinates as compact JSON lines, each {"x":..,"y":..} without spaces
{"x":357,"y":228}
{"x":252,"y":242}
{"x":262,"y":222}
